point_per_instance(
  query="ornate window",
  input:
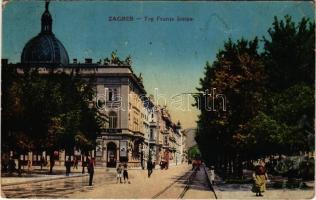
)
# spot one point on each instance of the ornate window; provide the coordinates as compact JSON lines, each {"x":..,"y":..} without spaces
{"x":113,"y":94}
{"x":166,"y":140}
{"x":151,"y":136}
{"x":112,"y":120}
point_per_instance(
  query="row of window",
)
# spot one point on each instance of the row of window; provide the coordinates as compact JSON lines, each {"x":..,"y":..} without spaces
{"x":112,"y":120}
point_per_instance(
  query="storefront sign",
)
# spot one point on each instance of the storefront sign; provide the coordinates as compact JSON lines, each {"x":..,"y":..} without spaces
{"x":113,"y":130}
{"x":123,"y":148}
{"x":110,"y":137}
{"x":99,"y":150}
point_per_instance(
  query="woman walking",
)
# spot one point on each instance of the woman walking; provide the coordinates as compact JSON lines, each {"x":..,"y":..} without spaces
{"x":125,"y":173}
{"x":260,"y":177}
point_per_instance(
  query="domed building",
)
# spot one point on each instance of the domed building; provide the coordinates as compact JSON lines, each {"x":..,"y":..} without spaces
{"x":45,"y":48}
{"x":132,"y":129}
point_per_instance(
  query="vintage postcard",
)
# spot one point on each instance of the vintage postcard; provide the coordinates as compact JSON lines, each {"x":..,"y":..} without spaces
{"x":158,"y":99}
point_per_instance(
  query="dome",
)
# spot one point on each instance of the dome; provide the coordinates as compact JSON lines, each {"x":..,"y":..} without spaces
{"x":45,"y":48}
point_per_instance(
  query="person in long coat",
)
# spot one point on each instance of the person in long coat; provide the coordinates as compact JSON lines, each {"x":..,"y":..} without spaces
{"x":91,"y":170}
{"x":68,"y":166}
{"x":149,"y":167}
{"x":260,"y":178}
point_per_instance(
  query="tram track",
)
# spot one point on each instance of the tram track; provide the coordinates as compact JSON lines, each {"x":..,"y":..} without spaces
{"x":188,"y":181}
{"x":190,"y":185}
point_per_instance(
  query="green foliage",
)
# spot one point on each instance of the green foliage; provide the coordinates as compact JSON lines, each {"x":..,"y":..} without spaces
{"x":289,"y":52}
{"x":194,"y":152}
{"x":270,"y":96}
{"x":50,"y":113}
{"x":238,"y":74}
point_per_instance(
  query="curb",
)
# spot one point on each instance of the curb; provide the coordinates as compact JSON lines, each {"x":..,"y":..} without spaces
{"x":209,"y":181}
{"x":43,"y":180}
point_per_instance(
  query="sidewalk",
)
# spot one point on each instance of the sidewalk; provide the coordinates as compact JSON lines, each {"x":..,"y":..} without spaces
{"x":59,"y":172}
{"x":243,"y":191}
{"x":37,"y":175}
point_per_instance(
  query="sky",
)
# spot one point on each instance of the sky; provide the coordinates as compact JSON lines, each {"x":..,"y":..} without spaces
{"x":171,"y":55}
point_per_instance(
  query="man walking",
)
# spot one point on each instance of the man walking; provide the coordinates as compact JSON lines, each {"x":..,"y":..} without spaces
{"x":91,"y":170}
{"x":68,"y":166}
{"x":149,"y":168}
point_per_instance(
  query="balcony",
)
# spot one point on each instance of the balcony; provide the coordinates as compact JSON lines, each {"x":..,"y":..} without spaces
{"x":153,"y":124}
{"x":112,"y":130}
{"x":152,"y":140}
{"x":113,"y":104}
{"x":165,"y":145}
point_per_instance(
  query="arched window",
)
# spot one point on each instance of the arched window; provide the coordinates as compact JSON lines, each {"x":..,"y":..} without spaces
{"x":112,"y":120}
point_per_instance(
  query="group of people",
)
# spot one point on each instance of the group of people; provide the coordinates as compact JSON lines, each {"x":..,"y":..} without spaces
{"x":122,"y":171}
{"x":8,"y":165}
{"x":89,"y":164}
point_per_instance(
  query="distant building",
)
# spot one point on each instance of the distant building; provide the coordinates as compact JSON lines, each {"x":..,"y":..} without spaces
{"x":190,"y":138}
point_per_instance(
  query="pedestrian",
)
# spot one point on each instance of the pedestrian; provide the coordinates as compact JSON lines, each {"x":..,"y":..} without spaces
{"x":19,"y":167}
{"x":68,"y":166}
{"x":193,"y":164}
{"x":42,"y":162}
{"x":125,"y":173}
{"x":52,"y":164}
{"x":212,"y":175}
{"x":198,"y":164}
{"x":75,"y":163}
{"x":119,"y":173}
{"x":4,"y":162}
{"x":259,"y":177}
{"x":149,"y":167}
{"x":91,"y":170}
{"x":84,"y":164}
{"x":161,"y":165}
{"x":29,"y":166}
{"x":11,"y":166}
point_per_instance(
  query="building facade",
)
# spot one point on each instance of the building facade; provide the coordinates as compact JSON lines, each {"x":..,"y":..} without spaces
{"x":134,"y":129}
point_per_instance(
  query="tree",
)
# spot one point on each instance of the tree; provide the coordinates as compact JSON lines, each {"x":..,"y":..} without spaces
{"x":194,"y":152}
{"x":270,"y":97}
{"x":289,"y":56}
{"x":289,"y":53}
{"x":53,"y":113}
{"x":237,"y":73}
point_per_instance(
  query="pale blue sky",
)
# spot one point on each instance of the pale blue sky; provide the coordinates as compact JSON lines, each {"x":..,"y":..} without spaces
{"x":170,"y":55}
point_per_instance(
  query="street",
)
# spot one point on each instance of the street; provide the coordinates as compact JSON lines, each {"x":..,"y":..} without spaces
{"x":176,"y":182}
